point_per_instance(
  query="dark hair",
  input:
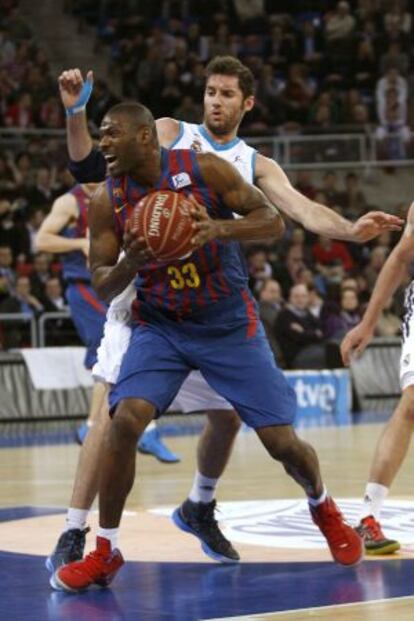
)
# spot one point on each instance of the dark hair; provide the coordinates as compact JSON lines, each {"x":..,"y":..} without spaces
{"x":229,"y":65}
{"x":136,"y":113}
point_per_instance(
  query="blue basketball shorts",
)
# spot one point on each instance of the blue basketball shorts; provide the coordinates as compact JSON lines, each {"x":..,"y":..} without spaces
{"x":236,"y":363}
{"x":88,"y":314}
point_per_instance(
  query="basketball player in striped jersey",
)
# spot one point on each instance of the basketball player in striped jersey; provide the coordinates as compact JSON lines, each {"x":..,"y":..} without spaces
{"x":393,"y":445}
{"x":228,"y":96}
{"x":212,"y":326}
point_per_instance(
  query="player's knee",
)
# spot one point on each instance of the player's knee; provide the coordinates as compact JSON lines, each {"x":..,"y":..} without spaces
{"x":406,"y":406}
{"x":227,"y":421}
{"x":132,"y":416}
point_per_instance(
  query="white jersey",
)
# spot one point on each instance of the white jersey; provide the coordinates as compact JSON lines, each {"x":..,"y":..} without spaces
{"x":407,"y":349}
{"x":237,"y":151}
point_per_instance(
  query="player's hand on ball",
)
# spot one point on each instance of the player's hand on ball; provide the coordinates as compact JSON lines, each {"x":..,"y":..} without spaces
{"x":70,"y":86}
{"x":205,"y":228}
{"x":136,"y":249}
{"x":355,"y":342}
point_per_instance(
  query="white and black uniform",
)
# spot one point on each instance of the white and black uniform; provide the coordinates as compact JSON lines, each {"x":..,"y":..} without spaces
{"x":195,"y":394}
{"x":407,"y":349}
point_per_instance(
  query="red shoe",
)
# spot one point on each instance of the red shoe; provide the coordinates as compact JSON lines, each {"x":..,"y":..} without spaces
{"x":99,"y":567}
{"x":344,"y":542}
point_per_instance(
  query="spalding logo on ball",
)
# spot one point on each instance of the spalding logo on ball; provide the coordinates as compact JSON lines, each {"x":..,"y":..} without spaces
{"x":164,"y":220}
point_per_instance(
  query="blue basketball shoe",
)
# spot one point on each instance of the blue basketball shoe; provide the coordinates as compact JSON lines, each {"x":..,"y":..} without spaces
{"x":69,"y":548}
{"x":150,"y":443}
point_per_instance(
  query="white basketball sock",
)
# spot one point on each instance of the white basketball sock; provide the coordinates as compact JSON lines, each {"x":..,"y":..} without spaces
{"x":151,"y":426}
{"x":374,"y":498}
{"x":111,"y":534}
{"x":315,"y":502}
{"x":76,"y":518}
{"x":203,"y":489}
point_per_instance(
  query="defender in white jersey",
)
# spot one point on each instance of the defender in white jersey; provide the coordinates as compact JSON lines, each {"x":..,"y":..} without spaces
{"x":228,"y":96}
{"x":393,"y":445}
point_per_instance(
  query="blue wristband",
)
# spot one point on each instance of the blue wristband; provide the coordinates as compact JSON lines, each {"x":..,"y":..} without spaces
{"x":84,"y":96}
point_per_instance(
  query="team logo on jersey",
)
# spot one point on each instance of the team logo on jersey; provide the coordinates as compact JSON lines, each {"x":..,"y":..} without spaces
{"x":181,"y":180}
{"x":196,"y":146}
{"x":406,"y":360}
{"x":238,"y":158}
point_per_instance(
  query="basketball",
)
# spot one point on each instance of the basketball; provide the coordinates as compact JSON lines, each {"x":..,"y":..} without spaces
{"x":163,"y":219}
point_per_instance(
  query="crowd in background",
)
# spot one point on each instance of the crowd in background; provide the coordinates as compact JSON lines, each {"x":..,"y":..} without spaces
{"x":318,"y":65}
{"x":310,"y":61}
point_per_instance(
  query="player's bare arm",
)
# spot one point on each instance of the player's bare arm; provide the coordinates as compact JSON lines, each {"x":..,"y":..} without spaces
{"x":79,"y":140}
{"x":49,"y":239}
{"x":109,"y":276}
{"x":388,"y":281}
{"x":314,"y":216}
{"x":261,"y":219}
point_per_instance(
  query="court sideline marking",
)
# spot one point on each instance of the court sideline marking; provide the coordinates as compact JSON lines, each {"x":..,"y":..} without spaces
{"x":262,"y":615}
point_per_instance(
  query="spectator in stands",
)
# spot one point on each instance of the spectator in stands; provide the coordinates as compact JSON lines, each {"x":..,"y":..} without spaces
{"x":101,"y":100}
{"x":288,"y":271}
{"x":7,"y":273}
{"x":20,"y":114}
{"x":9,"y":233}
{"x":188,"y":110}
{"x":394,"y":58}
{"x":270,"y":305}
{"x":280,"y":47}
{"x":40,"y":274}
{"x":170,"y":96}
{"x":353,"y":200}
{"x":297,"y":93}
{"x":393,"y":130}
{"x":21,"y":300}
{"x":53,"y":299}
{"x":259,"y":268}
{"x":29,"y":230}
{"x":376,"y":261}
{"x":330,"y":189}
{"x":337,"y":324}
{"x":310,"y":45}
{"x":364,"y":68}
{"x":339,"y":26}
{"x":299,"y":333}
{"x":44,"y":191}
{"x":332,"y":258}
{"x":305,"y":184}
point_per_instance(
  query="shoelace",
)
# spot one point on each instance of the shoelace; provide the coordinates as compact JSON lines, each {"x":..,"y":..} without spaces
{"x":333,"y":527}
{"x":74,"y":541}
{"x":92,"y":564}
{"x":208,"y":520}
{"x":373,"y":528}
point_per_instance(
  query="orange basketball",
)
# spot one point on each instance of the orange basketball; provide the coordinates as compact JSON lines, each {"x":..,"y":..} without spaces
{"x":163,"y":219}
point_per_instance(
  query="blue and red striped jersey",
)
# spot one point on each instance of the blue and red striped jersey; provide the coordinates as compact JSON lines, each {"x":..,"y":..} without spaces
{"x":74,"y":265}
{"x":210,"y":274}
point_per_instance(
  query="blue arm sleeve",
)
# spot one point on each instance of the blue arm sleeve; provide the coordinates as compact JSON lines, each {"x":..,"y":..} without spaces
{"x":91,"y":169}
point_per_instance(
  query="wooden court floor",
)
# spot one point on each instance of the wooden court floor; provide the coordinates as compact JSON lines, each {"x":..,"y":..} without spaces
{"x":262,"y":515}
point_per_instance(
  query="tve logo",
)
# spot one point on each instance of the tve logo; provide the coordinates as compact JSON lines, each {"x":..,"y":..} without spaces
{"x":323,"y":397}
{"x":315,"y":395}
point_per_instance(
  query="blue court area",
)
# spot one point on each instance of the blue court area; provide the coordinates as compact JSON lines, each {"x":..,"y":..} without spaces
{"x":191,"y":592}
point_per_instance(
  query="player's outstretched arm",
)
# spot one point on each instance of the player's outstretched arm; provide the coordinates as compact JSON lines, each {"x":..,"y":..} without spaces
{"x":71,"y":87}
{"x":109,"y":276}
{"x":261,"y":219}
{"x":49,"y":239}
{"x":386,"y":284}
{"x":314,"y":216}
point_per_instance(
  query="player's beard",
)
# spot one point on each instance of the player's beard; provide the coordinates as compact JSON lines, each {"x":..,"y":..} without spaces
{"x":225,"y":126}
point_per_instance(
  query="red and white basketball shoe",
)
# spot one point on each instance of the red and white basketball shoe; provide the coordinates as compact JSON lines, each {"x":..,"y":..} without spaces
{"x":97,"y":568}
